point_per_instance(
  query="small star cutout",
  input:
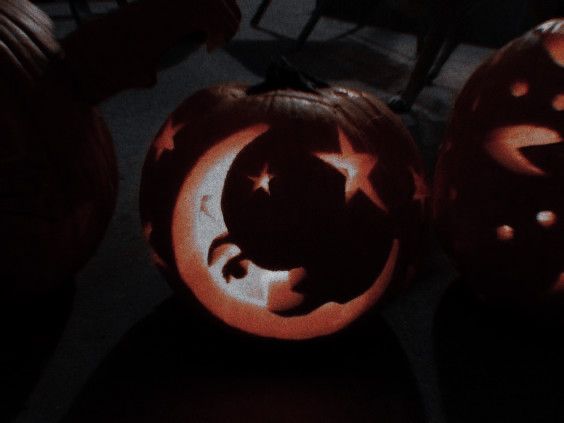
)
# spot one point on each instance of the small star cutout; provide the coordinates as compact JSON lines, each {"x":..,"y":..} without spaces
{"x":262,"y":181}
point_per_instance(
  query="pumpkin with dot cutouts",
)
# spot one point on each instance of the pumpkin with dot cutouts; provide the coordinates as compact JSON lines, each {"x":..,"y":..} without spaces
{"x":287,"y":210}
{"x":499,"y":193}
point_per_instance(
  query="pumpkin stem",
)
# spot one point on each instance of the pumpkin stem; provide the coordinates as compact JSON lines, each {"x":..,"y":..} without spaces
{"x":282,"y":75}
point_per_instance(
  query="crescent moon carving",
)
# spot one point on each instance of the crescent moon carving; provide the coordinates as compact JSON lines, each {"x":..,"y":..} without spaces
{"x":251,"y":302}
{"x":504,"y":144}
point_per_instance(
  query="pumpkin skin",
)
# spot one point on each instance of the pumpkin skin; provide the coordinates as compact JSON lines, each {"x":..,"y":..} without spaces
{"x":59,"y":186}
{"x":248,"y":204}
{"x":499,"y":183}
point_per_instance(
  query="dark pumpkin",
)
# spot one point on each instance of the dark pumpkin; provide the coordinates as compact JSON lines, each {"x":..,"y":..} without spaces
{"x":287,"y":211}
{"x":58,"y":187}
{"x":499,"y":193}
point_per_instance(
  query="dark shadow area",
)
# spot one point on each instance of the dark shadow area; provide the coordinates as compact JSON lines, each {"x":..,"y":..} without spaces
{"x":294,"y":45}
{"x":177,"y":367}
{"x":331,"y":60}
{"x":427,"y":134}
{"x":498,"y":365}
{"x":481,"y":22}
{"x":30,"y":330}
{"x":61,"y":18}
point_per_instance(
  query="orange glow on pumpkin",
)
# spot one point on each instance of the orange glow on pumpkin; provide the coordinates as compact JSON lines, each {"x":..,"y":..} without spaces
{"x":504,"y":144}
{"x":165,"y":139}
{"x":250,"y":302}
{"x":519,"y":88}
{"x":558,"y":102}
{"x":505,"y":170}
{"x":505,"y":233}
{"x":554,"y":40}
{"x":559,"y":286}
{"x":555,"y":47}
{"x":547,"y":219}
{"x":356,"y":168}
{"x":275,"y":221}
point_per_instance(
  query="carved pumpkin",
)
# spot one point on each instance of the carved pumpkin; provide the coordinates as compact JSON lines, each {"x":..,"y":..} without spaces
{"x":287,"y":210}
{"x":499,"y":194}
{"x":58,"y":181}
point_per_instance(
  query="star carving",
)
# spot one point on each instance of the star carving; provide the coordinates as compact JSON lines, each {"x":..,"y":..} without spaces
{"x":356,"y":168}
{"x":421,"y":192}
{"x":262,"y":181}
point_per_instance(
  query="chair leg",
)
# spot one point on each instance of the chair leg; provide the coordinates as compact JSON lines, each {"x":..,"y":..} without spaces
{"x":260,"y":13}
{"x":308,"y":28}
{"x":448,"y":48}
{"x":79,"y":9}
{"x":419,"y":45}
{"x":431,"y":47}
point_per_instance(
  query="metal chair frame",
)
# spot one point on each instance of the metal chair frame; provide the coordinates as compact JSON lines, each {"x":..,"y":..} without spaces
{"x":309,"y":26}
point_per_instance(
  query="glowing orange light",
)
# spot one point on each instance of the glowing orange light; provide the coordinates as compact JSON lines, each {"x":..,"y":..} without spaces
{"x":505,"y":233}
{"x":165,"y":140}
{"x":558,"y":102}
{"x":519,"y":88}
{"x":547,"y":218}
{"x":554,"y":40}
{"x":262,"y":181}
{"x":421,"y":192}
{"x":503,"y":144}
{"x":559,"y":285}
{"x":356,"y":168}
{"x":251,"y":300}
{"x":281,"y":295}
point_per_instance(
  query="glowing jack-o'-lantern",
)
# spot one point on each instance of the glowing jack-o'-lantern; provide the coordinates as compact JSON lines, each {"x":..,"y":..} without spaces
{"x":288,"y":211}
{"x":58,"y":186}
{"x":499,"y":194}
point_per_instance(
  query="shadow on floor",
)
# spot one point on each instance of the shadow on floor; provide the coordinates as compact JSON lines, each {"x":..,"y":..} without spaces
{"x":30,"y":330}
{"x":332,"y":60}
{"x":497,"y":365}
{"x":176,"y":367}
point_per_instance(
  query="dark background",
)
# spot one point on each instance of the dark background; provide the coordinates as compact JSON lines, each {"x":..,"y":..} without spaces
{"x":123,"y":349}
